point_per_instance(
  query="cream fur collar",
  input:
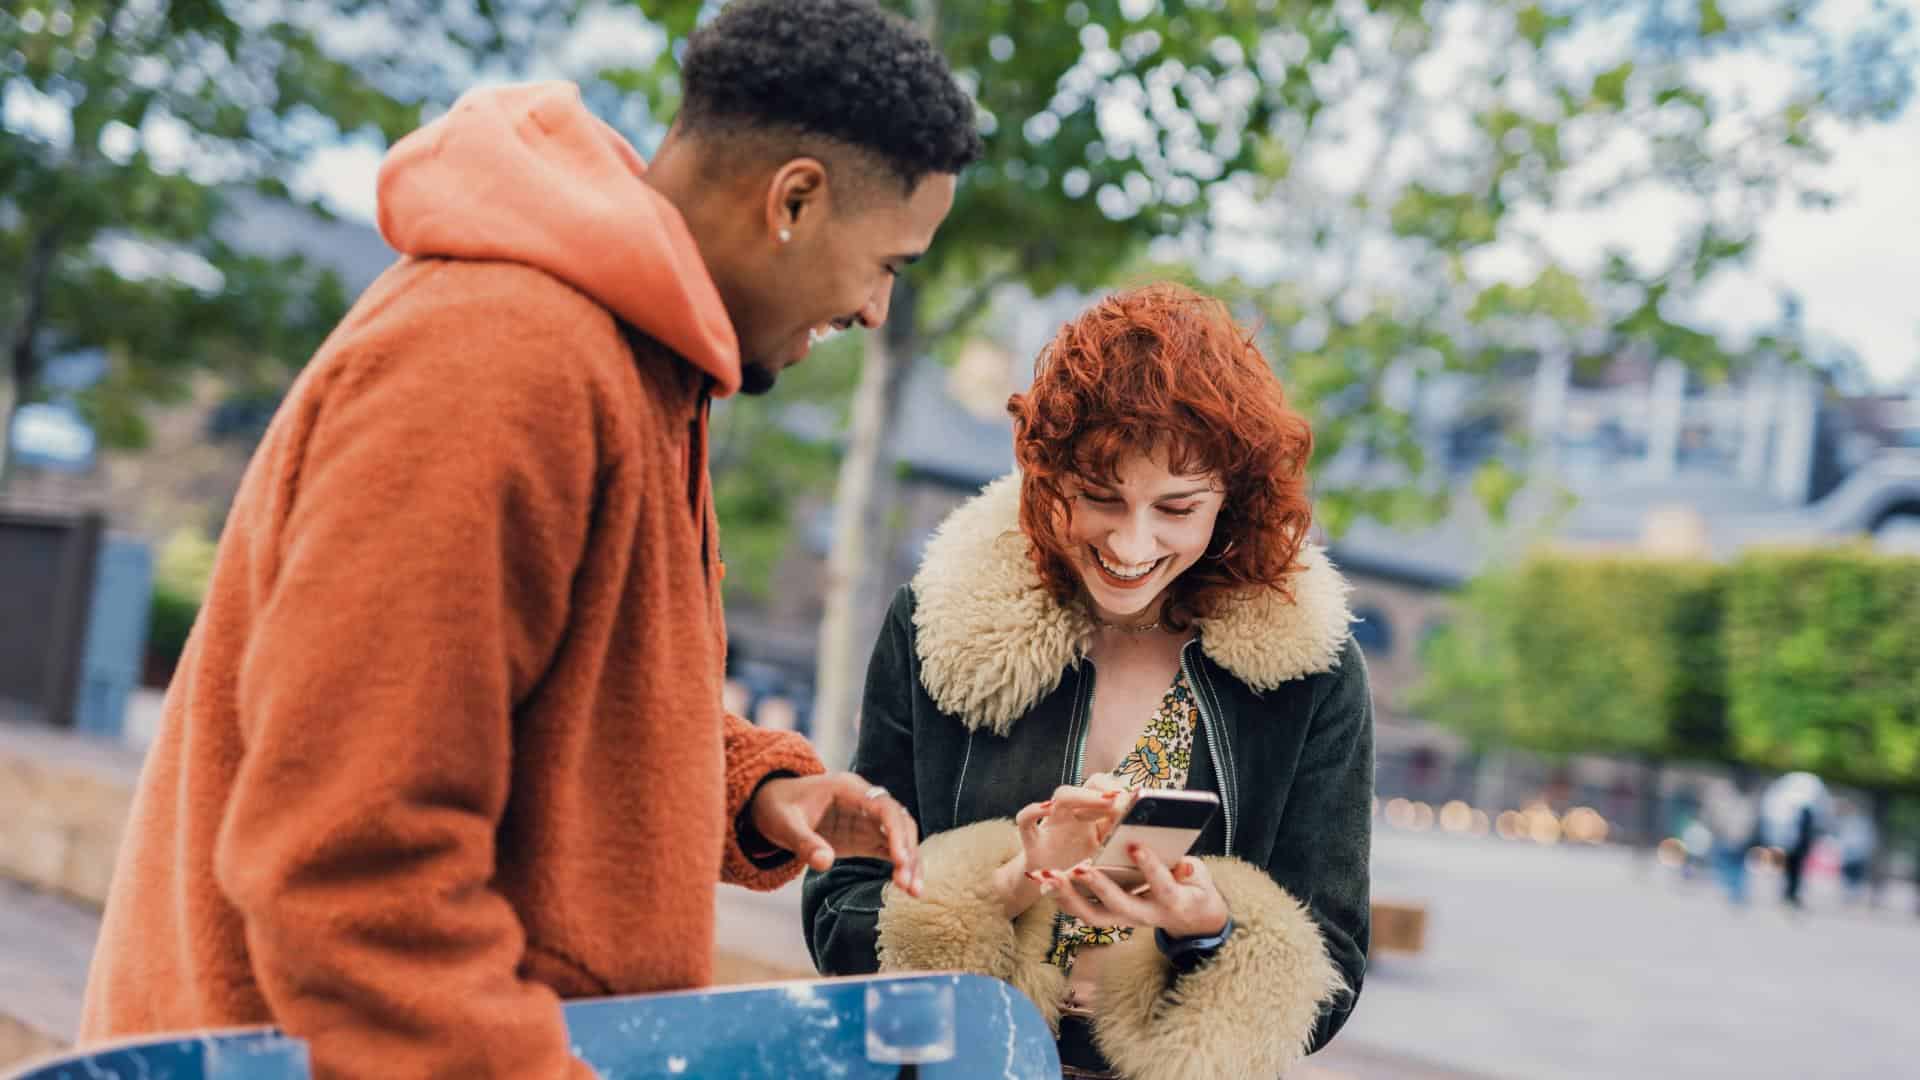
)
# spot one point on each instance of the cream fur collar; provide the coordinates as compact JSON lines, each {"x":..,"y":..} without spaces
{"x":992,"y":642}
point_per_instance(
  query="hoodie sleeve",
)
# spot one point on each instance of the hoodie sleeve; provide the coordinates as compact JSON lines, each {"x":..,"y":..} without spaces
{"x":401,"y":611}
{"x":755,"y":754}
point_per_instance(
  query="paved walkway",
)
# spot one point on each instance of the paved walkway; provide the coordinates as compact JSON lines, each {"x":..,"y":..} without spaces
{"x":1540,"y":963}
{"x":1586,"y":963}
{"x":45,"y":945}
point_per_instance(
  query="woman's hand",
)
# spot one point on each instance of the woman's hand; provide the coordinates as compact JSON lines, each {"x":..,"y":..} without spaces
{"x":1055,"y":834}
{"x":1069,"y":827}
{"x":1183,"y":900}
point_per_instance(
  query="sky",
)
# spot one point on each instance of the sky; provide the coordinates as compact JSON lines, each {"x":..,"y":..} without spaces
{"x":1856,"y":267}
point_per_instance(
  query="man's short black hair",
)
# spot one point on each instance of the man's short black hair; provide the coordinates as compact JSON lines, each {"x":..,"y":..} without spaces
{"x":841,"y":69}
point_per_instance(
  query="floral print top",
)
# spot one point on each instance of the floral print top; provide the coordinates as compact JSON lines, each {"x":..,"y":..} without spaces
{"x":1159,"y":760}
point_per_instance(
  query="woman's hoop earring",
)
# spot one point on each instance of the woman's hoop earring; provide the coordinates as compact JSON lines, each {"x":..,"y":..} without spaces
{"x":1223,"y":552}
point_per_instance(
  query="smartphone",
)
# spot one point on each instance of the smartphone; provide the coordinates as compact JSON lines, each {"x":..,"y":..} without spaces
{"x":1165,"y":822}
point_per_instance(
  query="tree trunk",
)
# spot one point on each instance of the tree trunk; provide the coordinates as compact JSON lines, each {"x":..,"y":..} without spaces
{"x":23,"y":358}
{"x":8,"y":399}
{"x":858,"y":561}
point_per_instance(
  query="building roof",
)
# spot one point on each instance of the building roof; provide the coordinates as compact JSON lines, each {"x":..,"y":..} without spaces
{"x":940,"y":440}
{"x":272,"y":228}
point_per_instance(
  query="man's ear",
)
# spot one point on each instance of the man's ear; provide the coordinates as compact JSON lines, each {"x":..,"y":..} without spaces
{"x":797,"y":197}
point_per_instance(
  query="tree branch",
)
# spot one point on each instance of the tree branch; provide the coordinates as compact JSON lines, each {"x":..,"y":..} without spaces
{"x":975,"y":302}
{"x":22,"y":358}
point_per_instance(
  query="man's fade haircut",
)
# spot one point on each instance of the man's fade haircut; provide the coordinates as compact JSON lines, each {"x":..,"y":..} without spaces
{"x":842,"y":70}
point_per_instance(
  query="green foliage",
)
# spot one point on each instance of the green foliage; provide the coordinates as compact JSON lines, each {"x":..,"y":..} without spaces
{"x":170,"y":621}
{"x":1107,"y":125}
{"x":1783,"y":660}
{"x":181,"y":570}
{"x":1468,"y":667}
{"x":1408,"y":214}
{"x":1566,"y":654}
{"x":1114,"y":129}
{"x":132,"y":128}
{"x":764,"y":470}
{"x":185,"y":563}
{"x":1823,"y":661}
{"x":1495,"y":484}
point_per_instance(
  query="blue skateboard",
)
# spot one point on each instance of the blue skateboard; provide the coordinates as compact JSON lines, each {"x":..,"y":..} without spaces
{"x":933,"y":1026}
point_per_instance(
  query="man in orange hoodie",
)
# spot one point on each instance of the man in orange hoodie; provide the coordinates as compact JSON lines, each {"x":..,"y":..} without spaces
{"x":446,"y":745}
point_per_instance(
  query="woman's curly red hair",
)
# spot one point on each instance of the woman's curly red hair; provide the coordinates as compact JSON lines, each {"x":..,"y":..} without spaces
{"x":1164,"y":368}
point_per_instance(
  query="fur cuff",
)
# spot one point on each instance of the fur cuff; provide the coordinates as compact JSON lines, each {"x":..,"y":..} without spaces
{"x":1250,"y":1011}
{"x":958,"y":924}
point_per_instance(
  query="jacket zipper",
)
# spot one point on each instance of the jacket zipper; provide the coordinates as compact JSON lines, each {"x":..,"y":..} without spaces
{"x":1213,"y":739}
{"x":1077,"y":727}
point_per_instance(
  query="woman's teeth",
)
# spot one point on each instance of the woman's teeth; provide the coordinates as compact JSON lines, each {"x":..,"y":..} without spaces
{"x":818,"y":334}
{"x":1125,"y":571}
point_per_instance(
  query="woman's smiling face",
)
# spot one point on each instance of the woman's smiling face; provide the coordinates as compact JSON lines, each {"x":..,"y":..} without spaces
{"x":1134,"y":537}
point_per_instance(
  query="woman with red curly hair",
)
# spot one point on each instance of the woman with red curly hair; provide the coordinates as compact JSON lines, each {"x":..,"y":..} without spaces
{"x":1138,"y":608}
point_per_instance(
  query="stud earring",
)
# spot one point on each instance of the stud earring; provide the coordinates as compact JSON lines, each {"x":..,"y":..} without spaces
{"x":786,"y":235}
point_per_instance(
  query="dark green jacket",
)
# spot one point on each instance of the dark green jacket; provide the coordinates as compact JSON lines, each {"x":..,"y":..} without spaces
{"x":975,"y":700}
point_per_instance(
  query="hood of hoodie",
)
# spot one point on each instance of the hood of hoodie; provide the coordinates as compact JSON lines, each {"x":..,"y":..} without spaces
{"x":526,"y":174}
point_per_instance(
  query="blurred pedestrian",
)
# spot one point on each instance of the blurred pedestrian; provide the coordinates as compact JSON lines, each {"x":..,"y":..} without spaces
{"x":1794,"y":811}
{"x":1857,"y":840}
{"x":1731,"y":818}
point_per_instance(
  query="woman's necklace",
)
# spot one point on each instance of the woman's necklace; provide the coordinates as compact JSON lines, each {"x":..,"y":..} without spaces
{"x":1140,"y":628}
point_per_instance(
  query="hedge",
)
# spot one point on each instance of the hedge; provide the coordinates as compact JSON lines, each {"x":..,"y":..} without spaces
{"x":1802,"y":659}
{"x":1569,"y":654}
{"x":1823,"y":664}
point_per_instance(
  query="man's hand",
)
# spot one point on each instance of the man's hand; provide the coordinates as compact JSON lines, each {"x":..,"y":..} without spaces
{"x":838,"y":815}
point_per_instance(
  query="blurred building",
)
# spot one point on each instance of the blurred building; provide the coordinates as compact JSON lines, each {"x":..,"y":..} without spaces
{"x":1640,"y":457}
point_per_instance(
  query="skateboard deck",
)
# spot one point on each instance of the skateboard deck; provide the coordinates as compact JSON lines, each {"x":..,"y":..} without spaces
{"x":964,"y":1026}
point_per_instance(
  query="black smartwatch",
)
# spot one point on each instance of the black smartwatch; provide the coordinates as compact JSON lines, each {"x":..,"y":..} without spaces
{"x":1188,"y":953}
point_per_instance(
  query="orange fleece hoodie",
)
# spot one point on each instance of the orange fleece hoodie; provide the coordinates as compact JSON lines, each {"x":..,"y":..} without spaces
{"x":446,"y":744}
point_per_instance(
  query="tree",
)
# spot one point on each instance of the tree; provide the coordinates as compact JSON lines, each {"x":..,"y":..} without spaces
{"x":1109,"y":125}
{"x":130,"y":126}
{"x":1450,"y":210}
{"x":1213,"y":135}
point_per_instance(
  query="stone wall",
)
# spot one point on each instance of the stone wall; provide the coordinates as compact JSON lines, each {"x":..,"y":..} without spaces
{"x":63,"y":803}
